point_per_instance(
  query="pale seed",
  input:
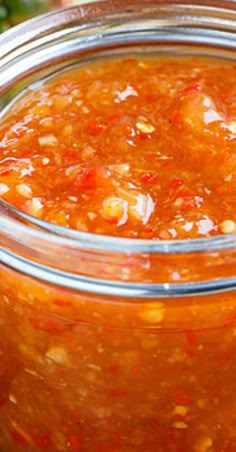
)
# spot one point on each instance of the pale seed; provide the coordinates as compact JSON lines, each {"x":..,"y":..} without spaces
{"x":145,"y":127}
{"x":180,"y":410}
{"x":48,"y":140}
{"x":3,"y":189}
{"x":154,"y":314}
{"x":227,"y":227}
{"x":180,"y":425}
{"x":24,"y":190}
{"x":58,"y":355}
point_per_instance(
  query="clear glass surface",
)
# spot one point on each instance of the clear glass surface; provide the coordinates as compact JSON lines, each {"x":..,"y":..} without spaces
{"x":103,"y":350}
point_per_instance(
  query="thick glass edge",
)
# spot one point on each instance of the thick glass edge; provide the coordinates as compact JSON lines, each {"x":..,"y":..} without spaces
{"x":30,"y":29}
{"x":112,"y":288}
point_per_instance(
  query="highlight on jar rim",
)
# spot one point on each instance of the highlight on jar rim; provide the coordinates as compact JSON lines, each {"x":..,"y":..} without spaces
{"x":117,"y":228}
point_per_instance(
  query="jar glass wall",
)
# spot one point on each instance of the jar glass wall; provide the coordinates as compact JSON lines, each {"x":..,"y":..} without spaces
{"x":122,"y":345}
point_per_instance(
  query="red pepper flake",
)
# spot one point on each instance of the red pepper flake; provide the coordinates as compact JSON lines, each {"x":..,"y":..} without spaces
{"x":184,"y":194}
{"x":176,"y":118}
{"x":150,"y":98}
{"x":193,"y":88}
{"x":226,"y":356}
{"x":117,"y":393}
{"x":129,"y":61}
{"x":26,"y":152}
{"x":192,"y":342}
{"x":5,"y":173}
{"x":91,"y":178}
{"x":191,"y":337}
{"x":153,"y":423}
{"x":73,"y":155}
{"x":149,"y":177}
{"x":62,"y":303}
{"x":172,"y":434}
{"x":139,"y":80}
{"x":179,"y":397}
{"x":191,"y":352}
{"x":50,"y":326}
{"x":114,"y":369}
{"x":143,"y":136}
{"x":35,"y":323}
{"x":75,"y":443}
{"x":148,"y":230}
{"x":114,"y":119}
{"x":95,"y":128}
{"x":43,"y":441}
{"x":111,"y":220}
{"x":184,"y":368}
{"x":19,"y":438}
{"x":176,"y":183}
{"x":136,"y":368}
{"x":165,"y":163}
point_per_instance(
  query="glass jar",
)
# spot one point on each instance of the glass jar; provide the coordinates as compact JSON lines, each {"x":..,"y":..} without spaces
{"x":108,"y":344}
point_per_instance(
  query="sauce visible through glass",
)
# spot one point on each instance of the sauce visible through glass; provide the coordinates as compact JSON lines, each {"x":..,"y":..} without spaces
{"x":140,"y":148}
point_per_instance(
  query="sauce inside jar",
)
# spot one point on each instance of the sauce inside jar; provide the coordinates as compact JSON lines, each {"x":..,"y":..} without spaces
{"x":141,"y":148}
{"x":143,"y":152}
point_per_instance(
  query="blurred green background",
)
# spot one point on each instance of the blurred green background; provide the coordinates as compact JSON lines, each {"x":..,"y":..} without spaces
{"x":15,"y":11}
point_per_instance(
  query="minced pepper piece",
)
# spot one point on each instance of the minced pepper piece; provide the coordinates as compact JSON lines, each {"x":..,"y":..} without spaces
{"x":75,"y":443}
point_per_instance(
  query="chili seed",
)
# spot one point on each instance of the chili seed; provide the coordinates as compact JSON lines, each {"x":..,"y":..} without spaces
{"x":3,"y":189}
{"x":155,"y":314}
{"x":180,"y":410}
{"x":227,"y":227}
{"x":24,"y":190}
{"x":48,"y":140}
{"x":145,"y":127}
{"x":57,"y":354}
{"x":180,"y":425}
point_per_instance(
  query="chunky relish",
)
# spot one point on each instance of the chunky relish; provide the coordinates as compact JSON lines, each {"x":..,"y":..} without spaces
{"x":140,"y":148}
{"x":143,"y":152}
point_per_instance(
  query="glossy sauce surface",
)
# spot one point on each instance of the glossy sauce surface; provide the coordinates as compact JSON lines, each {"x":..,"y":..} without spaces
{"x":141,"y":148}
{"x":143,"y":152}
